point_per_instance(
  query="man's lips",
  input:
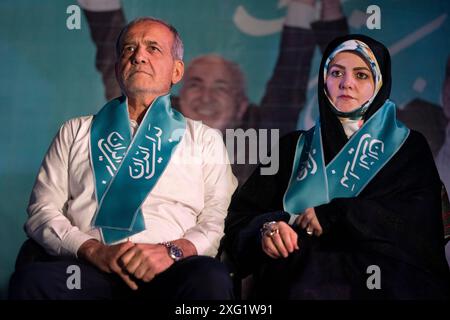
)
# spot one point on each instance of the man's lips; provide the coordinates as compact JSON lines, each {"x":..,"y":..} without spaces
{"x":139,"y":71}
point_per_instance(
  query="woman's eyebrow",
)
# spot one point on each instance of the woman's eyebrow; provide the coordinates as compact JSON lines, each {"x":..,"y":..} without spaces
{"x":337,"y":65}
{"x":361,"y":68}
{"x":342,"y":67}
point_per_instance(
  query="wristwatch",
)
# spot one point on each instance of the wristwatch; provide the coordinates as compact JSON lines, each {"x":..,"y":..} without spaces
{"x":175,"y":251}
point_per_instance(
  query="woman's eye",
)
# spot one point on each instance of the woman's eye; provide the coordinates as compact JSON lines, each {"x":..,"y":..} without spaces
{"x":336,"y":73}
{"x":362,"y":76}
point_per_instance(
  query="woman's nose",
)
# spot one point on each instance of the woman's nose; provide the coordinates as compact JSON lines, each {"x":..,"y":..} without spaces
{"x":347,"y":82}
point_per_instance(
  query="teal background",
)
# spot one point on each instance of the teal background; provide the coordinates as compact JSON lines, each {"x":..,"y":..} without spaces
{"x":47,"y":74}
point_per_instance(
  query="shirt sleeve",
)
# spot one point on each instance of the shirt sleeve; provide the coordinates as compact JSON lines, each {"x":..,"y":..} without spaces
{"x":219,"y":185}
{"x":47,"y":223}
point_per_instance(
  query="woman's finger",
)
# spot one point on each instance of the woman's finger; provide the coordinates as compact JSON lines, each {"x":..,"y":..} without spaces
{"x":276,"y":239}
{"x":285,"y":234}
{"x":269,"y":248}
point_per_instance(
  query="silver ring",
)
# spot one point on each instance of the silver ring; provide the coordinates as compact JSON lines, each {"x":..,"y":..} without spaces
{"x":269,"y":229}
{"x":271,"y":233}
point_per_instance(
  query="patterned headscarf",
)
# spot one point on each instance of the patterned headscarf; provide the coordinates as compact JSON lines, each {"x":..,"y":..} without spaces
{"x":366,"y":53}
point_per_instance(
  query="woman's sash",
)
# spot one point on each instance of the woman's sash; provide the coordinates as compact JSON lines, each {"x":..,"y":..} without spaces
{"x":363,"y":156}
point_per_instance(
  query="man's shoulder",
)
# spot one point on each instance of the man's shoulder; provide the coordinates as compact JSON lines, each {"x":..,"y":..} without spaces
{"x":79,"y":121}
{"x":76,"y":126}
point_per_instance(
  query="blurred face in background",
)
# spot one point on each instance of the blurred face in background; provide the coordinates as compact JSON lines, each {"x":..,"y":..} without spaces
{"x":210,"y":94}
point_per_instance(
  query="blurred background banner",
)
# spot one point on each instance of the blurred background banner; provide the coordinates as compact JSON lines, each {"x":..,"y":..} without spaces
{"x":48,"y":72}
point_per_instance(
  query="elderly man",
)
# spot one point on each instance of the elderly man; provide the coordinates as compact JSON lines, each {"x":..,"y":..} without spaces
{"x":135,"y":196}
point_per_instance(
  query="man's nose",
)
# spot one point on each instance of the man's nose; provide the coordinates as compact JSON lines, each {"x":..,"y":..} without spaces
{"x":207,"y":94}
{"x":139,"y":56}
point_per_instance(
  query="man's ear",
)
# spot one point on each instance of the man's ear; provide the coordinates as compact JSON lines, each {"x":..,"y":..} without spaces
{"x":178,"y":71}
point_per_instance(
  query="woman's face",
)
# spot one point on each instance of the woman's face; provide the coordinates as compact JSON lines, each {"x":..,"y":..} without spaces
{"x":349,"y":81}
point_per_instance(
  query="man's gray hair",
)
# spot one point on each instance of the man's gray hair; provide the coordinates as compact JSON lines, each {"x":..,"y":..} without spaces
{"x":177,"y":46}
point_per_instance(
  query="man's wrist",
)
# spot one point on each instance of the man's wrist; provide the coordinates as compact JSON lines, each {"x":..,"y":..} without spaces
{"x":174,"y":251}
{"x":88,"y":249}
{"x":187,"y":246}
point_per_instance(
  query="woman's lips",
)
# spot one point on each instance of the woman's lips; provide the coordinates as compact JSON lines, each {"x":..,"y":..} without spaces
{"x":345,"y":97}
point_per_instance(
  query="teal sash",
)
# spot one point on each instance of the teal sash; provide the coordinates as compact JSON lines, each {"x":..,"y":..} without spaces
{"x":368,"y":150}
{"x":126,"y":169}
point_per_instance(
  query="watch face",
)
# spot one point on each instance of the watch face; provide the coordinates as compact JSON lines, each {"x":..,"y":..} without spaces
{"x":175,"y":253}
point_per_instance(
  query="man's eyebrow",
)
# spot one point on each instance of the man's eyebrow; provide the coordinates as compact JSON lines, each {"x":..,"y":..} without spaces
{"x":221,"y":81}
{"x":195,"y":79}
{"x":128,"y":42}
{"x":146,"y":42}
{"x":152,"y":42}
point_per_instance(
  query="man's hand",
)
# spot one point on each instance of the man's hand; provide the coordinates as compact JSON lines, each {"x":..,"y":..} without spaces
{"x":309,"y":221}
{"x":145,"y":261}
{"x":106,"y":258}
{"x":281,"y":243}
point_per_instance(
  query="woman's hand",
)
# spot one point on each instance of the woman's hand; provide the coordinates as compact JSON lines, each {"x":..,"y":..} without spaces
{"x":278,"y":239}
{"x":309,"y":221}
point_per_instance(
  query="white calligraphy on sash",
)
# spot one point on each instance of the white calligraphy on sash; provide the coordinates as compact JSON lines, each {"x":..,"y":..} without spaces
{"x":145,"y":158}
{"x":113,"y":150}
{"x":310,"y":164}
{"x":366,"y":154}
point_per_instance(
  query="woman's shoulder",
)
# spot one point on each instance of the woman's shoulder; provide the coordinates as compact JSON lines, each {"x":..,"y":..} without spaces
{"x":288,"y":144}
{"x":417,"y":141}
{"x":291,"y":137}
{"x":416,"y":154}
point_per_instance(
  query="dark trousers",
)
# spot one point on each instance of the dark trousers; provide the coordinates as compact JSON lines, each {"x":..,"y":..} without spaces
{"x":193,"y":278}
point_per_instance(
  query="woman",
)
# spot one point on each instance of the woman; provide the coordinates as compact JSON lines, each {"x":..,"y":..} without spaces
{"x":354,"y":211}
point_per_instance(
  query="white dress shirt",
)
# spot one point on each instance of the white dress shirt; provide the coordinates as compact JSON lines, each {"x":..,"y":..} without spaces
{"x":190,"y":200}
